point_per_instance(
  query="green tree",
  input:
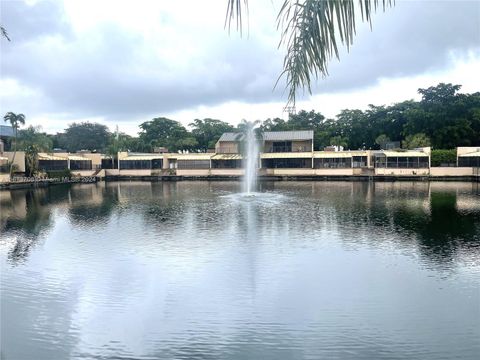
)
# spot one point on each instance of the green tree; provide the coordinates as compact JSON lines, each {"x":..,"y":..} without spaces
{"x":85,"y":136}
{"x":339,"y":141}
{"x":447,"y":117}
{"x":207,"y":132}
{"x":351,"y":126}
{"x":167,"y":133}
{"x":440,"y":157}
{"x":416,"y":141}
{"x":32,"y":140}
{"x":276,"y":124}
{"x":15,"y":121}
{"x":311,"y":30}
{"x":31,"y":159}
{"x":382,"y":140}
{"x":33,"y":136}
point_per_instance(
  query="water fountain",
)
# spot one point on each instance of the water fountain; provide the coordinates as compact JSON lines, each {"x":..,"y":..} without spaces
{"x":251,"y":158}
{"x":250,"y":193}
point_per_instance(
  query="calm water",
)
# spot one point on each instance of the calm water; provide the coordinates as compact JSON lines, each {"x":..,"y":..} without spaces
{"x":187,"y":270}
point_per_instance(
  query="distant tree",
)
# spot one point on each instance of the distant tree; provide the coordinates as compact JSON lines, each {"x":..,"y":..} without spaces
{"x":442,"y":157}
{"x":382,"y":140}
{"x":303,"y":120}
{"x":339,"y":141}
{"x":207,"y":132}
{"x":447,"y":117}
{"x":33,"y":136}
{"x":276,"y":124}
{"x":31,"y":159}
{"x":15,"y":121}
{"x":85,"y":136}
{"x":439,"y":94}
{"x":416,"y":141}
{"x":32,"y":140}
{"x":351,"y":125}
{"x":167,"y":133}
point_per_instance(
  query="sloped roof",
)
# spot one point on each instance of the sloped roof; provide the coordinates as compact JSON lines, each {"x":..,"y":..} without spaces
{"x":142,"y":156}
{"x":45,"y":156}
{"x":231,"y":136}
{"x":227,"y":157}
{"x":471,"y":154}
{"x":78,"y":158}
{"x":288,"y":135}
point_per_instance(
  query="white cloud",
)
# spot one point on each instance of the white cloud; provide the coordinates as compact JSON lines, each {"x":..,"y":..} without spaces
{"x":126,"y":62}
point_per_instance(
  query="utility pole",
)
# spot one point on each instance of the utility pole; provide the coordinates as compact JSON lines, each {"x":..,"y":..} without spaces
{"x":291,"y":110}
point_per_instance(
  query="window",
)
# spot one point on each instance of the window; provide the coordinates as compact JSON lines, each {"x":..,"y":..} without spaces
{"x":359,"y":161}
{"x":193,"y":164}
{"x":157,"y":163}
{"x":135,"y":164}
{"x":80,"y":164}
{"x":469,"y":161}
{"x":109,"y":164}
{"x":335,"y":163}
{"x":286,"y":163}
{"x":48,"y":165}
{"x":226,"y":164}
{"x":282,"y":146}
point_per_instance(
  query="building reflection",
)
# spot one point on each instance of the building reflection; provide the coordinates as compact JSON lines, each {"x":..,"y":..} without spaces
{"x":439,"y":219}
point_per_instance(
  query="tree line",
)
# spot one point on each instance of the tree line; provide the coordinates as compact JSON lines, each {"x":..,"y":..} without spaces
{"x":443,"y":119}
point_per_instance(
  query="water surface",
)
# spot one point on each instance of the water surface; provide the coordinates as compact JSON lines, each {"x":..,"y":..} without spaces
{"x":190,"y":270}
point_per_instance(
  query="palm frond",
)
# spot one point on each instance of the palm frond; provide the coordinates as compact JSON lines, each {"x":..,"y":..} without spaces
{"x":4,"y":33}
{"x":235,"y":9}
{"x":312,"y":31}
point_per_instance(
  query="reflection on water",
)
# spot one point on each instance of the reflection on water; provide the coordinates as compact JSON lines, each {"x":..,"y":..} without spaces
{"x":347,"y":270}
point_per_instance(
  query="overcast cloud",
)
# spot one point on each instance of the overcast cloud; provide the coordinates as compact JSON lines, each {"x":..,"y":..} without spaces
{"x":127,"y":62}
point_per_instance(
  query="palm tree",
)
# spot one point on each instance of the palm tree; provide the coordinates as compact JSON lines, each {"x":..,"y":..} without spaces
{"x":15,"y":121}
{"x":310,"y":30}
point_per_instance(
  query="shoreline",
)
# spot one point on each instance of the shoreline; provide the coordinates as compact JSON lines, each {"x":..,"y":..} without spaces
{"x":173,"y":178}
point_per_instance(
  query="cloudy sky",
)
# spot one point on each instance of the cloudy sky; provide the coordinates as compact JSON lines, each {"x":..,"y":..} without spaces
{"x":125,"y":62}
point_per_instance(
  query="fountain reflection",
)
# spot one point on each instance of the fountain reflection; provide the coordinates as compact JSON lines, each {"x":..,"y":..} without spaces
{"x":318,"y":271}
{"x":440,"y":219}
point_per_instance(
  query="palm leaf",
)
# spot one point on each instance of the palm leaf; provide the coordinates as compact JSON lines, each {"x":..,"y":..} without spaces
{"x":311,"y":31}
{"x":4,"y":33}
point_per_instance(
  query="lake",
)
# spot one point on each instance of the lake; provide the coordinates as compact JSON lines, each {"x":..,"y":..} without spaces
{"x":191,"y":270}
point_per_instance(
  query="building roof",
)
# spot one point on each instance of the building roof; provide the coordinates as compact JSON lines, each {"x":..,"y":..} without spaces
{"x":139,"y":156}
{"x":286,"y":155}
{"x":78,"y":158}
{"x":6,"y":131}
{"x":471,"y":154}
{"x":45,"y":156}
{"x":333,"y":154}
{"x":410,"y":153}
{"x":339,"y":154}
{"x":192,"y":156}
{"x":227,"y":157}
{"x":231,"y":136}
{"x":288,"y":135}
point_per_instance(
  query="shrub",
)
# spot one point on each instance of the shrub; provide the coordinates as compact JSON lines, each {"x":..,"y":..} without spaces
{"x":444,"y":157}
{"x":59,"y":174}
